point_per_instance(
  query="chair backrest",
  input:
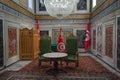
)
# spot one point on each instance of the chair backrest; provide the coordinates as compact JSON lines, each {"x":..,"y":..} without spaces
{"x":71,"y":44}
{"x":45,"y":44}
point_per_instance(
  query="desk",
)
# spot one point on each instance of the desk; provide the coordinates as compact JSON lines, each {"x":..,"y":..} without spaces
{"x":55,"y":56}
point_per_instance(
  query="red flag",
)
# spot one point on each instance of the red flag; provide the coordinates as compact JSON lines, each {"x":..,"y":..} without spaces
{"x":61,"y":44}
{"x":38,"y":28}
{"x":87,"y":39}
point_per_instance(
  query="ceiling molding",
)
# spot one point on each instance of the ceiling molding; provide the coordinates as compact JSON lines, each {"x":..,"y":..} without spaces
{"x":78,"y":16}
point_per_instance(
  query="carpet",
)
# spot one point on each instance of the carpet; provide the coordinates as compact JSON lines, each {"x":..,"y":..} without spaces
{"x":89,"y":69}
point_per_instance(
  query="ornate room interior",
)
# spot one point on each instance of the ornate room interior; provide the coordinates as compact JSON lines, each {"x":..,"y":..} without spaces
{"x":23,"y":24}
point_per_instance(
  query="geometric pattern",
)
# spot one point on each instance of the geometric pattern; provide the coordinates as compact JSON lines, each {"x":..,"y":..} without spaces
{"x":109,"y":41}
{"x":12,"y":41}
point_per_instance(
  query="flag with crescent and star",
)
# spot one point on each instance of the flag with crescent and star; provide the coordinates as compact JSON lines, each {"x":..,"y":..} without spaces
{"x":87,"y":38}
{"x":61,"y":44}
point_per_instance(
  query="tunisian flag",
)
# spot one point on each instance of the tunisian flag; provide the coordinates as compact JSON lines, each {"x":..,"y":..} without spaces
{"x":87,"y":39}
{"x":61,"y":44}
{"x":38,"y":28}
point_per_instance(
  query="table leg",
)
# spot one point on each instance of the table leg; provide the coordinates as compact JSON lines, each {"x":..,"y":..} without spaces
{"x":54,"y":71}
{"x":56,"y":65}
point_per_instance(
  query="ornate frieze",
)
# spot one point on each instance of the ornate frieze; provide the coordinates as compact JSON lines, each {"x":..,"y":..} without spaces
{"x":108,"y":10}
{"x":14,"y":12}
{"x":62,"y":21}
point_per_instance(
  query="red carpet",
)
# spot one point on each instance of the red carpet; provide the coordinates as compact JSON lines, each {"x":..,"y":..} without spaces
{"x":89,"y":69}
{"x":86,"y":65}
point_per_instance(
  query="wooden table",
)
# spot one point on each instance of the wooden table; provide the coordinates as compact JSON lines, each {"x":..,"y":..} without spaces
{"x":55,"y":57}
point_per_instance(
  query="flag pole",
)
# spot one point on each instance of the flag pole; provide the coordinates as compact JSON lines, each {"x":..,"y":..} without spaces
{"x":87,"y":38}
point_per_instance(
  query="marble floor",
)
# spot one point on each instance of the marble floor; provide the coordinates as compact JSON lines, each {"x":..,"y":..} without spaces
{"x":16,"y":66}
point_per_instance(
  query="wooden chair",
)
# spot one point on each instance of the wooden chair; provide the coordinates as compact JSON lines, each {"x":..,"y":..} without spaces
{"x":45,"y":47}
{"x":72,"y":49}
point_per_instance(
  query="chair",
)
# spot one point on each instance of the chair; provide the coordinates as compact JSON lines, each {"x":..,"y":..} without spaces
{"x":72,"y":49}
{"x":54,"y":47}
{"x":45,"y":47}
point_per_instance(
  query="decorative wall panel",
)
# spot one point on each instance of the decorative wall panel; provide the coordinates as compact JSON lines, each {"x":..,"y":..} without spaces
{"x":42,"y":33}
{"x":109,"y":41}
{"x":82,"y":5}
{"x":81,"y":38}
{"x":118,"y":43}
{"x":94,"y":39}
{"x":99,"y":39}
{"x":1,"y":44}
{"x":66,"y":33}
{"x":12,"y":41}
{"x":41,"y":5}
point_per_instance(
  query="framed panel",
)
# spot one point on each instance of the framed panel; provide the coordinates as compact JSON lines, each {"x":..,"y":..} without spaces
{"x":94,"y":39}
{"x":118,"y":43}
{"x":1,"y":44}
{"x":81,"y":38}
{"x":12,"y":42}
{"x":99,"y":39}
{"x":83,"y":6}
{"x":41,"y":5}
{"x":43,"y":32}
{"x":109,"y":41}
{"x":56,"y":32}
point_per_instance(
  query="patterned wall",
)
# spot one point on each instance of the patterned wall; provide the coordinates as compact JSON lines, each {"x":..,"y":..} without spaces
{"x":12,"y":41}
{"x":109,"y":41}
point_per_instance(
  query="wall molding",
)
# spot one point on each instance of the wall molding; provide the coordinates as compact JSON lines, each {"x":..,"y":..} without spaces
{"x":13,"y":12}
{"x":106,"y":11}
